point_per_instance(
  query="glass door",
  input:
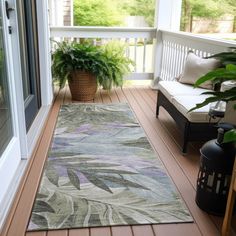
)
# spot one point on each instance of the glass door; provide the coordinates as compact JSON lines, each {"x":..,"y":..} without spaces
{"x":10,"y":149}
{"x":27,"y":19}
{"x":6,"y":129}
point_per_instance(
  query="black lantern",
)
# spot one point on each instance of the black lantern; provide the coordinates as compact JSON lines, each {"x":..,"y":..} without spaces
{"x":216,"y":165}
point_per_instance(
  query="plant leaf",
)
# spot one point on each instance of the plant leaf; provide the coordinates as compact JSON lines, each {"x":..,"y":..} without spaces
{"x":128,"y":219}
{"x":74,"y":179}
{"x":230,"y":136}
{"x":41,"y":206}
{"x":204,"y":103}
{"x":39,"y":220}
{"x":96,"y":181}
{"x":94,"y":219}
{"x":112,"y":171}
{"x":123,"y":182}
{"x":40,"y":195}
{"x":52,"y":174}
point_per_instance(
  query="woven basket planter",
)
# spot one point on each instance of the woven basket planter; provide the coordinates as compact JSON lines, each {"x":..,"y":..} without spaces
{"x":83,"y":86}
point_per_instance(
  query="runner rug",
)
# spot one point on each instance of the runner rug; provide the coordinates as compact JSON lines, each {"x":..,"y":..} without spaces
{"x":102,"y":171}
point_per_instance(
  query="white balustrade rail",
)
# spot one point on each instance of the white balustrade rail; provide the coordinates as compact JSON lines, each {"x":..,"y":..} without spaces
{"x":161,"y":54}
{"x":173,"y":47}
{"x":140,"y":41}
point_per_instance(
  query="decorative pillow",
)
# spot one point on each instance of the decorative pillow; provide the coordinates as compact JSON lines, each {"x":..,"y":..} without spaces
{"x":195,"y":67}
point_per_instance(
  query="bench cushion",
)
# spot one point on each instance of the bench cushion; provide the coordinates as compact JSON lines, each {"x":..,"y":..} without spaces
{"x":185,"y":103}
{"x":195,"y":67}
{"x":174,"y":88}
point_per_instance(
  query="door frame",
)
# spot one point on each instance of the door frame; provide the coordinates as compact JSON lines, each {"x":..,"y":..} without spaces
{"x":11,"y":157}
{"x":26,"y":142}
{"x":29,"y":58}
{"x":29,"y":139}
{"x":46,"y":82}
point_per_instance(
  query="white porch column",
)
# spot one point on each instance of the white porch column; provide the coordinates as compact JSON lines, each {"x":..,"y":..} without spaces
{"x":72,"y":12}
{"x":56,"y":12}
{"x":167,"y":17}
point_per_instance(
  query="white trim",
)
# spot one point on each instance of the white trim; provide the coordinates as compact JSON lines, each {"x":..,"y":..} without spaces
{"x":8,"y":159}
{"x":36,"y":128}
{"x":139,"y":76}
{"x":44,"y":52}
{"x":18,"y":87}
{"x":72,"y":12}
{"x":190,"y":38}
{"x":6,"y":204}
{"x":102,"y":32}
{"x":157,"y":57}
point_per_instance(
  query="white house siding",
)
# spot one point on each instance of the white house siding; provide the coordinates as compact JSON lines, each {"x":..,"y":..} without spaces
{"x":67,"y":13}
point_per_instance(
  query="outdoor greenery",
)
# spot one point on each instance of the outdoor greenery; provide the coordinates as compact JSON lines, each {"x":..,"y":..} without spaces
{"x":226,"y":73}
{"x":111,"y":13}
{"x":118,"y":64}
{"x":144,"y":8}
{"x":106,"y":62}
{"x":96,"y":13}
{"x":210,"y":9}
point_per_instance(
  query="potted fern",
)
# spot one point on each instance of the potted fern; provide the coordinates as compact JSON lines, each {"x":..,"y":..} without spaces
{"x":227,"y":72}
{"x":85,"y":66}
{"x":119,"y":64}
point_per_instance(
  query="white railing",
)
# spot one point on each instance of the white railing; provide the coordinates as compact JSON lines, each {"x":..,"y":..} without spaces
{"x":140,"y":43}
{"x":172,"y":49}
{"x":157,"y":54}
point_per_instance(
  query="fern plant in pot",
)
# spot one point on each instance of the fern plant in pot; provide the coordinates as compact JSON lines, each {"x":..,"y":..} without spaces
{"x":118,"y":63}
{"x":85,"y":66}
{"x":80,"y":65}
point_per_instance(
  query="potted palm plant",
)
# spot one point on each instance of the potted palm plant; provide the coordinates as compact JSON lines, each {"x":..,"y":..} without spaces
{"x":226,"y":73}
{"x":85,"y":66}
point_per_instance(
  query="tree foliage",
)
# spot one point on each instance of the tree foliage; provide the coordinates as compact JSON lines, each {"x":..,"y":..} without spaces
{"x":96,"y":13}
{"x":111,"y":13}
{"x":144,"y":8}
{"x":209,"y":9}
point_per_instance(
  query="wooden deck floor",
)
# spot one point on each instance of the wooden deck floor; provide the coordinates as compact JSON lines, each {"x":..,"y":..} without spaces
{"x":165,"y":139}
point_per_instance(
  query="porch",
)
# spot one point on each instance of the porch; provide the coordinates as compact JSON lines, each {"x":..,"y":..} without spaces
{"x":159,"y":55}
{"x":165,"y":139}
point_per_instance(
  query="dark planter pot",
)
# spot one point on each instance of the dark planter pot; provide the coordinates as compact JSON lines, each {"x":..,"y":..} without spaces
{"x":83,"y":86}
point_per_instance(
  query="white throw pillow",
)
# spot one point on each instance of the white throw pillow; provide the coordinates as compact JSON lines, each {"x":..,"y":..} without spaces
{"x":195,"y":67}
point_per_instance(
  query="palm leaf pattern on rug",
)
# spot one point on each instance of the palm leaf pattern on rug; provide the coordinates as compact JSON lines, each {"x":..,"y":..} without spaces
{"x":101,"y":170}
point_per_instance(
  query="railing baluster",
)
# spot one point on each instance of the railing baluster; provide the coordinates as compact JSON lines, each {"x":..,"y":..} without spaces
{"x":94,"y":42}
{"x":169,"y":61}
{"x":172,"y":60}
{"x":163,"y":69}
{"x":127,"y":52}
{"x":144,"y":55}
{"x":135,"y":54}
{"x":182,"y":57}
{"x":174,"y":55}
